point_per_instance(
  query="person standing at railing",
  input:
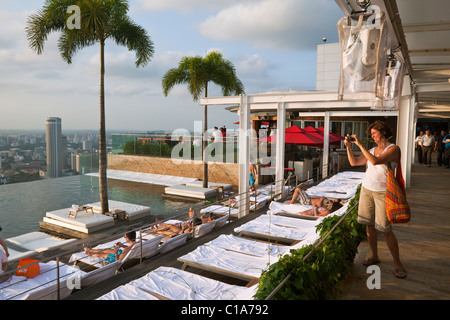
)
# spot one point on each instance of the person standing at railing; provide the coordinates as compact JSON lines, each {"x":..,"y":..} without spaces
{"x":372,"y":209}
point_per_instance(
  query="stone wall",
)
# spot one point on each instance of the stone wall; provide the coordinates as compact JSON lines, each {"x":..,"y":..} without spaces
{"x":217,"y":172}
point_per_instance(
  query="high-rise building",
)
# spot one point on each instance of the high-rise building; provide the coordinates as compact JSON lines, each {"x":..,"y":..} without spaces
{"x":54,"y":147}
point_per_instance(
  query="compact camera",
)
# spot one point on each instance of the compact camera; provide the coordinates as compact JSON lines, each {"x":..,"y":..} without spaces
{"x":349,"y":138}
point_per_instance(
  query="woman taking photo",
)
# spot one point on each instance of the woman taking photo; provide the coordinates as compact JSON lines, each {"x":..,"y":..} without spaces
{"x":371,"y":210}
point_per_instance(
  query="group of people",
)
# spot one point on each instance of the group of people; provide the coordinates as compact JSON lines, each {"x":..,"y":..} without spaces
{"x":219,"y":135}
{"x":426,"y":143}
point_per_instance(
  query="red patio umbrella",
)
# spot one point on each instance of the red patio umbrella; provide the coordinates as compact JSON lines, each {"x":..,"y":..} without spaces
{"x":334,"y":138}
{"x":296,"y":135}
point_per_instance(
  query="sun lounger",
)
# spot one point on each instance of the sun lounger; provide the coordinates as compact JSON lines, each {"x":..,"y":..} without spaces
{"x":84,"y":222}
{"x":203,"y":229}
{"x":173,"y":242}
{"x":175,"y":284}
{"x":132,"y":211}
{"x":39,"y":241}
{"x":220,"y":222}
{"x":127,"y":292}
{"x":100,"y":274}
{"x":294,"y":210}
{"x":229,"y":263}
{"x":15,"y":255}
{"x":43,"y":286}
{"x":149,"y":249}
{"x":218,"y":209}
{"x":265,"y":227}
{"x":247,"y":246}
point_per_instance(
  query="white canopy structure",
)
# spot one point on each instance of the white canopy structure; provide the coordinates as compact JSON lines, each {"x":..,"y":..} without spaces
{"x":426,"y":85}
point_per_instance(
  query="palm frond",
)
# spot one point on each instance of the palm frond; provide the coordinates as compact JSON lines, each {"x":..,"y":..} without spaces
{"x":135,"y":38}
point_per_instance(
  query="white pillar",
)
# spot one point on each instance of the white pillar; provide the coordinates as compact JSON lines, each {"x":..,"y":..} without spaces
{"x":244,"y":156}
{"x":326,"y":145}
{"x":280,"y":152}
{"x":405,"y":130}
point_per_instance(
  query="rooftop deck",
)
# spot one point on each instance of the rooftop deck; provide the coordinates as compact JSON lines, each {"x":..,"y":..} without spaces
{"x":424,"y":246}
{"x":424,"y":250}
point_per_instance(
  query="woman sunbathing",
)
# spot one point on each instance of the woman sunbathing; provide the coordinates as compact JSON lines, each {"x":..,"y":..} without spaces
{"x":323,"y":209}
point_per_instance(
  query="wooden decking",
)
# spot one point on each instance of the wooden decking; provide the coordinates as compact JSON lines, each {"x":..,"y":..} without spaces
{"x":424,"y":246}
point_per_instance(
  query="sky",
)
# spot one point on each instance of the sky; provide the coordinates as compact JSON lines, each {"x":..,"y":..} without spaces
{"x":272,"y":44}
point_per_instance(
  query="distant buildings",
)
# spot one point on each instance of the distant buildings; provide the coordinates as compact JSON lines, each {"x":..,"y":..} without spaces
{"x":55,"y":150}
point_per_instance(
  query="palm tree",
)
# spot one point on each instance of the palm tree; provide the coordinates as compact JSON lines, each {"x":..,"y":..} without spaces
{"x":100,"y":20}
{"x":197,"y":72}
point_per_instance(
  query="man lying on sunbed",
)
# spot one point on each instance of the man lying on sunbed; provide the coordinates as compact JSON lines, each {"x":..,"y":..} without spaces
{"x":117,"y":253}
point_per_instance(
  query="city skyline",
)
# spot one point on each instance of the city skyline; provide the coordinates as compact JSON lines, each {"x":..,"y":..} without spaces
{"x":272,"y":44}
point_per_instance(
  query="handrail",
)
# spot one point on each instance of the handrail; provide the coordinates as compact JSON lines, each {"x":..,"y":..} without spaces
{"x":140,"y":229}
{"x":316,"y":245}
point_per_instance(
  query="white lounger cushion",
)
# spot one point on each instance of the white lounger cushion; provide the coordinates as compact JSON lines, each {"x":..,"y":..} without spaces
{"x":42,"y":286}
{"x":150,"y":248}
{"x":246,"y":246}
{"x":143,"y":177}
{"x":265,"y":225}
{"x":174,"y":242}
{"x":203,"y":229}
{"x":38,"y":241}
{"x":220,"y":210}
{"x":231,"y":262}
{"x":127,"y":292}
{"x":133,"y":211}
{"x":101,"y":274}
{"x":16,"y":255}
{"x":175,"y":284}
{"x":192,"y":192}
{"x":279,"y":207}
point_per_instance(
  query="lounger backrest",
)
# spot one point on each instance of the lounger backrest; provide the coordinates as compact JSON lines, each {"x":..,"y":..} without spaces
{"x":174,"y":242}
{"x":101,"y":274}
{"x":149,"y":248}
{"x":204,"y":228}
{"x":221,"y":221}
{"x":51,"y":292}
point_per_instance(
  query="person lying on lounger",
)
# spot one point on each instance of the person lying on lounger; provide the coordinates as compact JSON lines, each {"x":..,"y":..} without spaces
{"x":323,"y":209}
{"x":117,"y":253}
{"x":321,"y":206}
{"x":170,"y":229}
{"x":302,"y":197}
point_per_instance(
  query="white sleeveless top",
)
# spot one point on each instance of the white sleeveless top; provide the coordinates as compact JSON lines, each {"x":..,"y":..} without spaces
{"x":375,"y":177}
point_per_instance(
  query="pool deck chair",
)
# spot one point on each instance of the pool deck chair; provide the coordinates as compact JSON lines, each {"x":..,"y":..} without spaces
{"x":203,"y":229}
{"x":175,"y":284}
{"x":44,"y":286}
{"x":100,"y":274}
{"x":282,"y":230}
{"x":173,"y":242}
{"x":232,"y":264}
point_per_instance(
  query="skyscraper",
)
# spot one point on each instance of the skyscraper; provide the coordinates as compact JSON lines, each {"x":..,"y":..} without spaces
{"x":54,"y":147}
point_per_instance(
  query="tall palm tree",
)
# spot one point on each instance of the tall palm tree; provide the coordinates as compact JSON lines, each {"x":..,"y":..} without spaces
{"x":197,"y":72}
{"x":100,"y":20}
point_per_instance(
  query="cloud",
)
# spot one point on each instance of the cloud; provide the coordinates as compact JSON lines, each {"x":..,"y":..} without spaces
{"x":274,"y":24}
{"x":188,"y":5}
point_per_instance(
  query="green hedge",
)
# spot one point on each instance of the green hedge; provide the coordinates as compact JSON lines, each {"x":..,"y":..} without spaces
{"x":319,"y":276}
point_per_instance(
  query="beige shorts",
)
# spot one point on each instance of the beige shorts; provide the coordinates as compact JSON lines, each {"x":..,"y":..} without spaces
{"x":372,"y":209}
